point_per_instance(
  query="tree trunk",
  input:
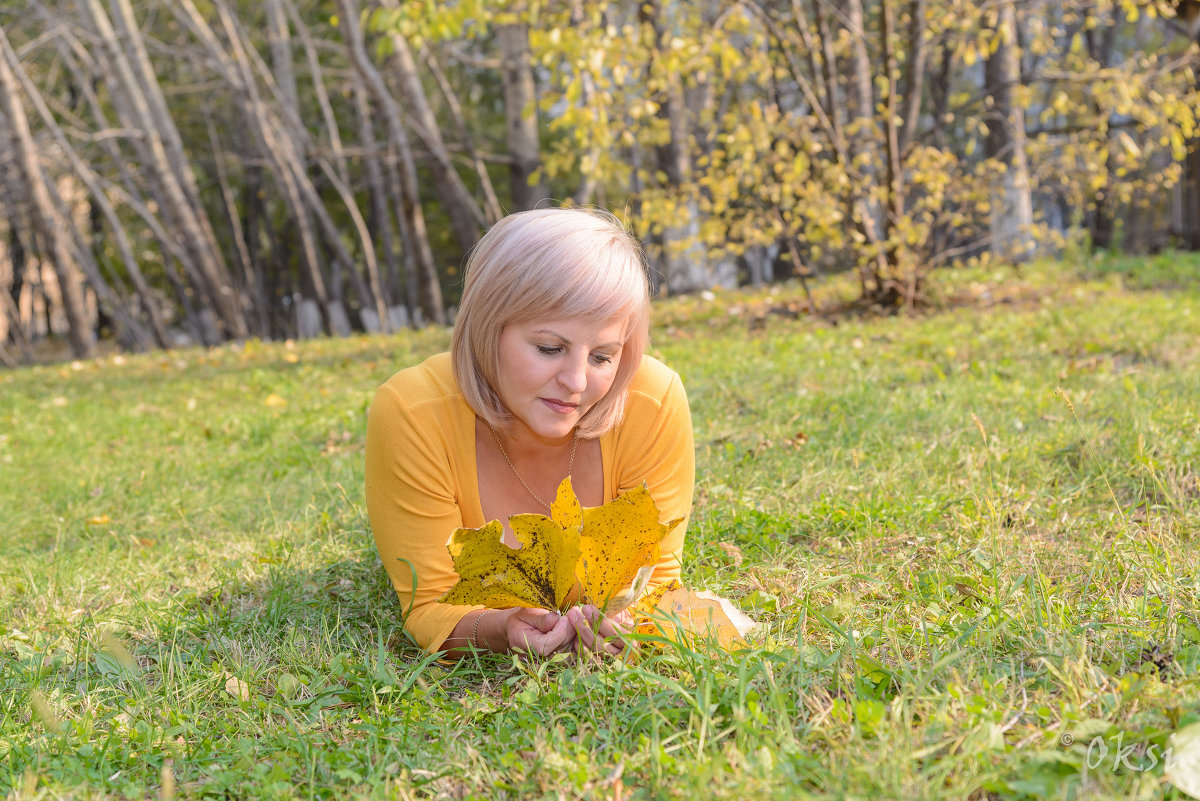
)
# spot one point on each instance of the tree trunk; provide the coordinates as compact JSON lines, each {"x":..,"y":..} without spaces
{"x":380,"y":216}
{"x":138,"y":93}
{"x":279,"y":40}
{"x":1012,"y":205}
{"x":870,"y":216}
{"x":520,"y":116}
{"x":411,"y":217}
{"x":466,"y":218}
{"x":1189,"y":227}
{"x":1100,"y":44}
{"x":683,"y":260}
{"x":253,"y":300}
{"x":914,"y":83}
{"x":274,"y":142}
{"x":50,"y":224}
{"x":590,"y":184}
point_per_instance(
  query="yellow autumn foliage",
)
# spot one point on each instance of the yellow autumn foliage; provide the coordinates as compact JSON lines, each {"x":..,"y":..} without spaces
{"x":603,"y":550}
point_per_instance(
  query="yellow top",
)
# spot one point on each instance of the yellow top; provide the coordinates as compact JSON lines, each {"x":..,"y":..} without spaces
{"x":422,"y":482}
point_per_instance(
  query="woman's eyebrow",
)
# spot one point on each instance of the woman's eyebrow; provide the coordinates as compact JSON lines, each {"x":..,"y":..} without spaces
{"x":566,"y":341}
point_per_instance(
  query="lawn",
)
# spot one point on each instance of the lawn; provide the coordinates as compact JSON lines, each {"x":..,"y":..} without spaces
{"x":969,"y":537}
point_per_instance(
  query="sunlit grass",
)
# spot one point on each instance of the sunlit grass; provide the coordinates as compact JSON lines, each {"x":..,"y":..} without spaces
{"x":955,"y":570}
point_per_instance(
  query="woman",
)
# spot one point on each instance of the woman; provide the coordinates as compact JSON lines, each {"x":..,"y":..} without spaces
{"x":546,"y":378}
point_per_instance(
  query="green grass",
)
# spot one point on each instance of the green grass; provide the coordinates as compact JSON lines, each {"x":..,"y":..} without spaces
{"x":954,"y":572}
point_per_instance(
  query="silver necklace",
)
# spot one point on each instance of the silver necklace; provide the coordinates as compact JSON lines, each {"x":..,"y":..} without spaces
{"x":504,"y":453}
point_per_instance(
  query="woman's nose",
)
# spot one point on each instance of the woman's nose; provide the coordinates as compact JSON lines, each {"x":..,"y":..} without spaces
{"x":573,"y":377}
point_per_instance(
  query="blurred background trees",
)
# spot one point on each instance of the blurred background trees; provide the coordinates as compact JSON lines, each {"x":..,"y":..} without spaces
{"x":198,"y":171}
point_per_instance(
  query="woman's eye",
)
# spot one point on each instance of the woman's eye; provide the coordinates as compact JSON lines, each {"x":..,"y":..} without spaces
{"x":547,"y":350}
{"x":601,"y":358}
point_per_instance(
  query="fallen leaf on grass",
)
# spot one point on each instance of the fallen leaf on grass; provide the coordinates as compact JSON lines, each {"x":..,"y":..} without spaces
{"x":733,"y":552}
{"x":1183,"y":763}
{"x":237,"y":688}
{"x":679,"y":614}
{"x":274,"y":401}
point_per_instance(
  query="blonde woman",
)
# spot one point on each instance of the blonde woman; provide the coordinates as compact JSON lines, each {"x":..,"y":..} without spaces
{"x":547,"y":377}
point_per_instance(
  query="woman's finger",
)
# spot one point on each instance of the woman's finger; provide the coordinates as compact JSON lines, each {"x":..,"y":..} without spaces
{"x":595,"y":631}
{"x":560,"y":638}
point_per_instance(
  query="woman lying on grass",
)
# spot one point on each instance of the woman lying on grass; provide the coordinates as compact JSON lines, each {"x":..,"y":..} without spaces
{"x":547,"y":377}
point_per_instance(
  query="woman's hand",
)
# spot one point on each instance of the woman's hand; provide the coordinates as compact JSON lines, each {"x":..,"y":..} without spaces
{"x":539,"y":631}
{"x":598,"y":632}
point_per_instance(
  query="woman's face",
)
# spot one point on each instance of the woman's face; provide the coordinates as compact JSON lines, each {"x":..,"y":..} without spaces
{"x":553,"y":371}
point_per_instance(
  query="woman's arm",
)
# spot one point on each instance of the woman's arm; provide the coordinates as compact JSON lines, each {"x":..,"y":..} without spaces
{"x":413,"y":508}
{"x":657,"y":448}
{"x":412,"y":505}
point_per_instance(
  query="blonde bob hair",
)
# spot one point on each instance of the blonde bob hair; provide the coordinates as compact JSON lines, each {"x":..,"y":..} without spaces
{"x":550,"y":264}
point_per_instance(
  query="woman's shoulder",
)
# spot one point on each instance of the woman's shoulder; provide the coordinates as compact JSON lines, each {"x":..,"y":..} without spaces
{"x":432,"y":379}
{"x":653,"y":380}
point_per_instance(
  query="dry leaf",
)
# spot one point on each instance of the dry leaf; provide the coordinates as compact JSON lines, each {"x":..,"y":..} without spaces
{"x":274,"y":400}
{"x":237,"y":688}
{"x":1183,"y":762}
{"x":681,"y":613}
{"x":619,"y":539}
{"x":541,"y":573}
{"x":733,"y":552}
{"x":606,"y":548}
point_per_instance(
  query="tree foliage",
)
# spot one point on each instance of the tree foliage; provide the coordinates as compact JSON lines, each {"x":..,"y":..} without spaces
{"x":271,"y":169}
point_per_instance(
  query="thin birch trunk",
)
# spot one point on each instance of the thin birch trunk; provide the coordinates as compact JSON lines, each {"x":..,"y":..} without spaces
{"x":256,"y":301}
{"x":464,"y":213}
{"x":1012,"y":218}
{"x":491,"y":204}
{"x":914,"y":84}
{"x":413,"y":224}
{"x":160,"y":139}
{"x":520,"y":116}
{"x":50,"y":224}
{"x":279,"y":41}
{"x":862,"y":149}
{"x":380,"y":213}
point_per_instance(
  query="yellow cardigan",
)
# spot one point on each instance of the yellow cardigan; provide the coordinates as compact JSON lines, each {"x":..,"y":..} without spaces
{"x":422,"y":483}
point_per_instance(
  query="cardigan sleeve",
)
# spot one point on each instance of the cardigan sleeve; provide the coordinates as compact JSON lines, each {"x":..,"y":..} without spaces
{"x":656,"y":447}
{"x":412,"y":505}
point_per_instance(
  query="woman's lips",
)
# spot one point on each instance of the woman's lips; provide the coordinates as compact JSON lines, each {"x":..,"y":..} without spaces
{"x":559,"y":406}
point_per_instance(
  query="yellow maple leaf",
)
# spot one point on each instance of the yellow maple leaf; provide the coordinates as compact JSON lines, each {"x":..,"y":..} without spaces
{"x":541,"y":573}
{"x":620,"y":539}
{"x":610,"y":550}
{"x":566,"y":511}
{"x":605,"y":548}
